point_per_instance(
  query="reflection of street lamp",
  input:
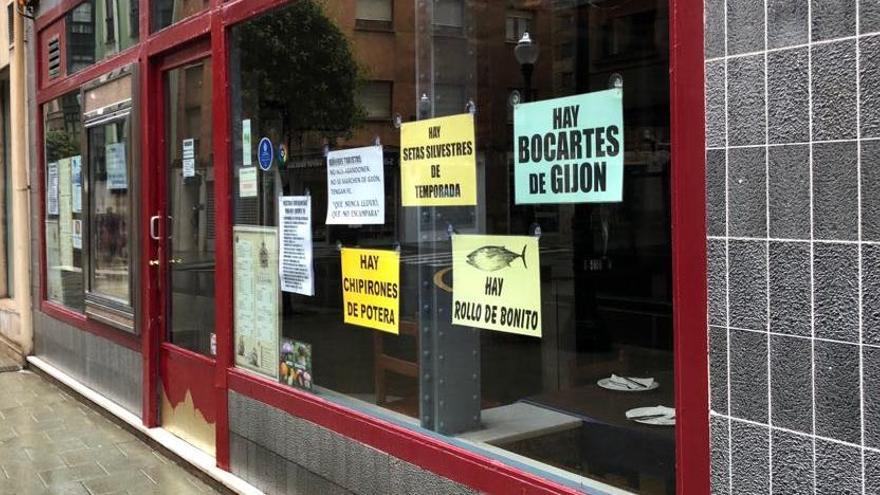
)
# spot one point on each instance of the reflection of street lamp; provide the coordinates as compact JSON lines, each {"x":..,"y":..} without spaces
{"x":526,"y":53}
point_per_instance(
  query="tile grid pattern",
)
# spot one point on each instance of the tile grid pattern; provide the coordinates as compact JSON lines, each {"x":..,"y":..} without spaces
{"x":793,"y":191}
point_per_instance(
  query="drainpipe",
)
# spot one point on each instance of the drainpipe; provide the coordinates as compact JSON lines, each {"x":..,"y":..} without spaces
{"x":20,"y":187}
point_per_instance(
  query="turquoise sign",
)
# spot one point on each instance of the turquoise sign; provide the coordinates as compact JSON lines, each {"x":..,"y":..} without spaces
{"x":570,"y":150}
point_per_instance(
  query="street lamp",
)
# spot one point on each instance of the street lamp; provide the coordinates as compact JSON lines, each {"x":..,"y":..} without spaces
{"x":526,"y":53}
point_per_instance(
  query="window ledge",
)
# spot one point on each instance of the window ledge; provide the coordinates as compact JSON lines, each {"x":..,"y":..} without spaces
{"x":374,"y":26}
{"x":8,"y":305}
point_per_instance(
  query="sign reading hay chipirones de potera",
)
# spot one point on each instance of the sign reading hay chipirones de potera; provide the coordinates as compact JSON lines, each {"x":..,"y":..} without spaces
{"x":496,"y":283}
{"x":371,"y":288}
{"x":438,"y":162}
{"x":570,"y":150}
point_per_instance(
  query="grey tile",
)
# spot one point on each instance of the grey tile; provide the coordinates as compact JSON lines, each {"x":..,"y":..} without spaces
{"x":835,"y":191}
{"x":788,"y":91}
{"x":714,"y":28}
{"x":791,"y":383}
{"x":720,"y":455}
{"x":872,"y":472}
{"x":748,"y":375}
{"x":836,"y":291}
{"x":871,"y":294}
{"x":718,"y":369}
{"x":716,"y":188}
{"x":716,"y":125}
{"x":871,"y":370}
{"x":838,"y":469}
{"x":717,"y":282}
{"x":748,"y":284}
{"x":833,"y":19}
{"x":790,"y":310}
{"x":870,"y":170}
{"x":869,"y":76}
{"x":869,"y":13}
{"x":834,"y":90}
{"x":745,"y":26}
{"x":745,"y":100}
{"x":792,"y":464}
{"x":750,"y":459}
{"x":787,"y":22}
{"x":789,"y":185}
{"x":838,"y":400}
{"x":747,"y":192}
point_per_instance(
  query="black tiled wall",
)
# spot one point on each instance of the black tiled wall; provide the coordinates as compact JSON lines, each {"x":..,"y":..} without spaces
{"x":793,"y":243}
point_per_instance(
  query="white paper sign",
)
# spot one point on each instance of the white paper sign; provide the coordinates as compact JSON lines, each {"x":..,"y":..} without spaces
{"x":295,"y":245}
{"x":189,"y":157}
{"x":52,"y":188}
{"x":117,"y":177}
{"x":247,"y":182}
{"x":76,"y":234}
{"x":246,"y":142}
{"x":356,"y":187}
{"x":76,"y":183}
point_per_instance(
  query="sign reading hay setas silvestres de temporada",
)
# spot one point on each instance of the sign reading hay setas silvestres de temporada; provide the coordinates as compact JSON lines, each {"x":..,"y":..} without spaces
{"x":570,"y":150}
{"x":438,"y":162}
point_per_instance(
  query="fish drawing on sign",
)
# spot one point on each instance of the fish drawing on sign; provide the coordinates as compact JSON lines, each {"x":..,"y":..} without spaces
{"x":494,"y":258}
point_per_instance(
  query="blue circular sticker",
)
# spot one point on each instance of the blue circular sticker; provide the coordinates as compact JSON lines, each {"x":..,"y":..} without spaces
{"x":265,"y":154}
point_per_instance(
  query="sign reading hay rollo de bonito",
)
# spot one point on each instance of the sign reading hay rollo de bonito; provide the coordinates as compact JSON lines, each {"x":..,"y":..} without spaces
{"x":496,"y":283}
{"x":371,"y":288}
{"x":438,"y":162}
{"x":570,"y":150}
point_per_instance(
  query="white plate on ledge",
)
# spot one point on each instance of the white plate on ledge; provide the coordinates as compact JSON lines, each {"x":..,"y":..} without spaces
{"x":624,"y":386}
{"x":656,"y":415}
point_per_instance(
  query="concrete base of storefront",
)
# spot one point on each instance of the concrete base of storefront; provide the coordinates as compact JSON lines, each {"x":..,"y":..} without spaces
{"x":186,"y":452}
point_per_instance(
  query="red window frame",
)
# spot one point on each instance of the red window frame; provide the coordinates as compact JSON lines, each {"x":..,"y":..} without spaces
{"x":688,"y":259}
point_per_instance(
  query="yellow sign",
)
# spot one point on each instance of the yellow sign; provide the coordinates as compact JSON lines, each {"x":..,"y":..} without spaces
{"x":496,"y":283}
{"x":371,"y":288}
{"x":438,"y":162}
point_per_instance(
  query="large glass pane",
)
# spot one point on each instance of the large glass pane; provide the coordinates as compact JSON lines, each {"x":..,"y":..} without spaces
{"x":559,"y":398}
{"x":110,"y":206}
{"x":97,"y":29}
{"x":64,"y":201}
{"x":190,"y":203}
{"x":164,"y":13}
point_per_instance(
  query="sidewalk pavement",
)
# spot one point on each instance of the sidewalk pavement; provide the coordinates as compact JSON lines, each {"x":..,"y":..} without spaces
{"x":50,"y":443}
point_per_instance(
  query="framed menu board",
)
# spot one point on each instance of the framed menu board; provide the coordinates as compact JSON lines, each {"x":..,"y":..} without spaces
{"x":256,"y":300}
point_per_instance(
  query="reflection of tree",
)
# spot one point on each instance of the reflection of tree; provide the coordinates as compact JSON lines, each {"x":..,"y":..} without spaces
{"x":300,"y":67}
{"x":60,"y":144}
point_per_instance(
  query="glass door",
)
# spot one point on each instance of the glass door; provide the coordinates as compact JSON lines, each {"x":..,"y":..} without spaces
{"x":184,"y":226}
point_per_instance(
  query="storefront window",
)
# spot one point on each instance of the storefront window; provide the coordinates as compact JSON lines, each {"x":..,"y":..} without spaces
{"x":109,"y":188}
{"x":97,"y":29}
{"x":500,"y":275}
{"x":64,"y":201}
{"x":164,"y":13}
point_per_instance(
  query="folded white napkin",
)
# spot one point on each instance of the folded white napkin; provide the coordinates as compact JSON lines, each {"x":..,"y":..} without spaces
{"x":628,"y":382}
{"x":641,"y":412}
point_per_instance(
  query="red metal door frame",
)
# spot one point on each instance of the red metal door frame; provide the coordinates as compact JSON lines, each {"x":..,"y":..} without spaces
{"x":165,"y":356}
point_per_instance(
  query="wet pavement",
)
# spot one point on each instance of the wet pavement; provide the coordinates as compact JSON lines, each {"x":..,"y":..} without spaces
{"x":50,"y":443}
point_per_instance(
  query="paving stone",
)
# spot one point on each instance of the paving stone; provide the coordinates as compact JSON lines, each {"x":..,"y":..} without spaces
{"x":51,"y":444}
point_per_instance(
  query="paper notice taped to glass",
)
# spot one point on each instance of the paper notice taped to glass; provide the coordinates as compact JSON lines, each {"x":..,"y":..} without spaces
{"x":189,"y":158}
{"x":247,"y":182}
{"x":356,"y":186}
{"x":295,"y":260}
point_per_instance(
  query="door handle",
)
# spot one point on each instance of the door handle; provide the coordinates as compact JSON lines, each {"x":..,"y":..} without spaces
{"x":175,"y":261}
{"x":154,"y":262}
{"x":154,"y":230}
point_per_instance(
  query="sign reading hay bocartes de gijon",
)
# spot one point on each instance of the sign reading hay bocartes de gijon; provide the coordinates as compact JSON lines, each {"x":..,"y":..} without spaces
{"x":438,"y":162}
{"x":496,"y":283}
{"x":371,"y":288}
{"x":570,"y":150}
